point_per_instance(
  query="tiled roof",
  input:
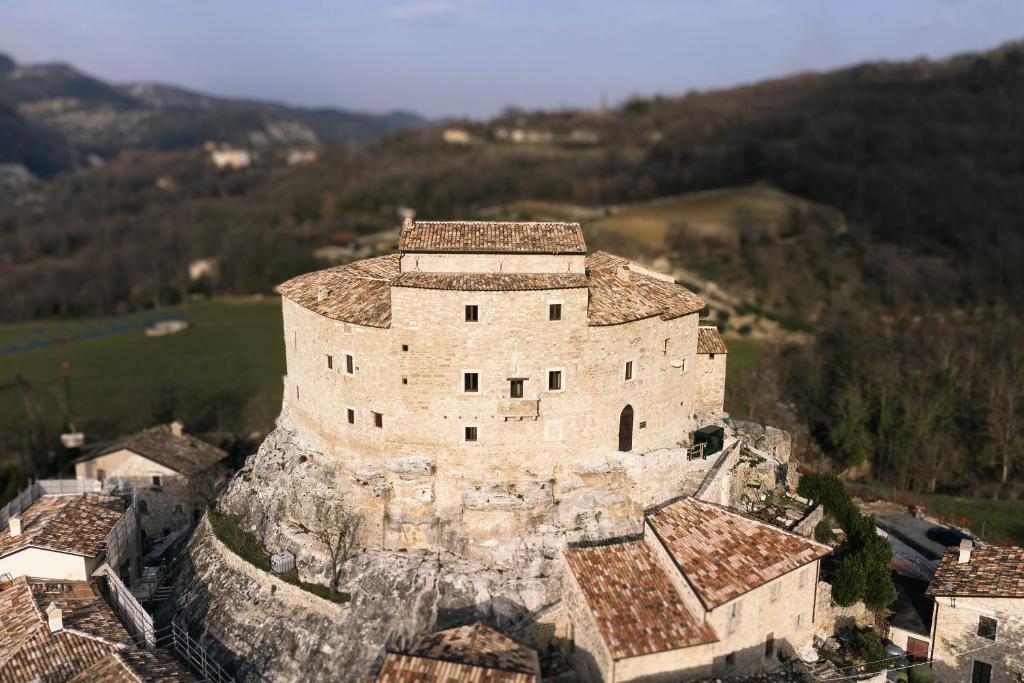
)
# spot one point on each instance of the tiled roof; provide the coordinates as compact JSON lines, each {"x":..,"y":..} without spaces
{"x":182,"y":453}
{"x":709,"y":340}
{"x":132,"y":666}
{"x":466,"y":653}
{"x":491,"y":237}
{"x":358,"y":293}
{"x":29,"y":651}
{"x":622,"y":291}
{"x":637,"y":609}
{"x":991,"y":572}
{"x":490,"y":282}
{"x":76,"y":524}
{"x":724,"y":554}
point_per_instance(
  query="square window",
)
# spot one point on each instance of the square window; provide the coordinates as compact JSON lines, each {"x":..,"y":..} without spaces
{"x":471,"y":434}
{"x":330,"y":362}
{"x":554,"y":380}
{"x":554,"y":311}
{"x":711,"y":356}
{"x":350,"y":363}
{"x":405,"y":347}
{"x":471,"y":382}
{"x":350,"y":415}
{"x":378,"y":420}
{"x":629,"y":369}
{"x":987,"y":627}
{"x":982,"y":672}
{"x":472,"y":313}
{"x":156,"y":481}
{"x":515,"y":388}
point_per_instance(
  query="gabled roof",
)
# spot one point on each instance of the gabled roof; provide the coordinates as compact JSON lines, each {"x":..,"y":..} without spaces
{"x":133,"y":666}
{"x":488,"y":237}
{"x":622,"y":291}
{"x":77,"y":524}
{"x":29,"y":651}
{"x":724,"y":554}
{"x":637,"y":609}
{"x":180,"y":452}
{"x":465,"y":654}
{"x":991,"y":572}
{"x":709,"y":340}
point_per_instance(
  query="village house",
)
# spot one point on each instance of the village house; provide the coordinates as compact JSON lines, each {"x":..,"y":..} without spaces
{"x":910,"y":624}
{"x":227,"y":157}
{"x":59,"y":631}
{"x":467,"y":653}
{"x":457,"y":136}
{"x":174,"y":475}
{"x":978,"y":620}
{"x":706,"y":591}
{"x":62,"y":537}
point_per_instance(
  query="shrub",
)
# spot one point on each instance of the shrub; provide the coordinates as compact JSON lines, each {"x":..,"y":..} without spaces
{"x":823,"y":532}
{"x":920,"y":674}
{"x":848,"y":584}
{"x":866,"y":645}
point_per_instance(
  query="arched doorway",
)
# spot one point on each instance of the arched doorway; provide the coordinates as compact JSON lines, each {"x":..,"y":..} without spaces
{"x":626,"y":429}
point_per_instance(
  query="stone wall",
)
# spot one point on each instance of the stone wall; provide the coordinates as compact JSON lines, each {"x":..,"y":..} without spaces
{"x":493,"y":263}
{"x":956,"y":633}
{"x":830,"y":617}
{"x":710,"y":370}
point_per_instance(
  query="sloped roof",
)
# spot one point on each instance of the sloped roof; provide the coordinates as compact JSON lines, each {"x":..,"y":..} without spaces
{"x":991,"y":572}
{"x":77,"y":524}
{"x":464,"y":654}
{"x":637,"y":609}
{"x":358,"y":293}
{"x":622,"y":291}
{"x":490,"y":282}
{"x":490,"y":237}
{"x":724,"y":554}
{"x":132,"y":666}
{"x":709,"y":340}
{"x":29,"y":651}
{"x":185,"y":453}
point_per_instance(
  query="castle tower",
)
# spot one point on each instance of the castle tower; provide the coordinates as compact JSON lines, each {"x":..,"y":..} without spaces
{"x":478,"y":383}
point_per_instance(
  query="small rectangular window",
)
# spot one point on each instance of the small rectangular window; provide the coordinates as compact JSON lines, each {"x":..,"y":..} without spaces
{"x":629,"y":369}
{"x":769,"y":645}
{"x":296,"y":392}
{"x":554,"y":311}
{"x":330,"y":362}
{"x":643,"y":424}
{"x":554,"y":380}
{"x":665,"y":349}
{"x":774,"y":591}
{"x":405,"y":380}
{"x":378,"y":420}
{"x":682,"y":368}
{"x":711,"y":356}
{"x":405,"y":347}
{"x":982,"y":672}
{"x":471,"y":434}
{"x":350,"y":415}
{"x":350,"y":363}
{"x":987,"y":627}
{"x":472,"y":313}
{"x":470,"y":382}
{"x":515,"y":388}
{"x":101,"y":474}
{"x":156,"y":481}
{"x":734,"y":616}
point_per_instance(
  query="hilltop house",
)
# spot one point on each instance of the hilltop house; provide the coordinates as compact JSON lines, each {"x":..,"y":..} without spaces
{"x":174,"y":475}
{"x":467,"y":653}
{"x":706,"y":592}
{"x":61,"y":537}
{"x":978,"y":620}
{"x":64,"y":631}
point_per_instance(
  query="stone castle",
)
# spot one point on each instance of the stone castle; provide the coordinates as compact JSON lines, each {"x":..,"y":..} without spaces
{"x":493,"y":388}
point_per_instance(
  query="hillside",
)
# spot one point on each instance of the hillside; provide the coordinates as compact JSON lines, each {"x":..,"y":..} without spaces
{"x":94,"y":117}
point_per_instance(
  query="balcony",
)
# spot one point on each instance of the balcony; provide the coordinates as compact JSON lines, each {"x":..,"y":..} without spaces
{"x":518,"y":408}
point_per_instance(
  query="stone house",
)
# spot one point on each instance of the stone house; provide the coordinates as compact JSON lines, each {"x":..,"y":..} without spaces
{"x":174,"y":475}
{"x":978,"y":620}
{"x":59,"y":537}
{"x":226,"y":157}
{"x":467,"y":653}
{"x":59,"y":631}
{"x":493,"y":385}
{"x":705,"y":592}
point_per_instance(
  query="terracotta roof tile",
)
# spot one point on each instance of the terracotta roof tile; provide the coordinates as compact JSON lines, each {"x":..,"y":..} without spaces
{"x":637,"y":609}
{"x":131,"y":666}
{"x":490,"y":282}
{"x":709,"y":340}
{"x":724,"y":554}
{"x":991,"y":572}
{"x":492,"y":237}
{"x":358,"y":293}
{"x":76,"y":524}
{"x":399,"y":668}
{"x":185,"y":454}
{"x":622,"y":291}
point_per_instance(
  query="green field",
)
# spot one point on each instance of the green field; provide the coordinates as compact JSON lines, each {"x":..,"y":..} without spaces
{"x":743,"y":357}
{"x":222,"y":374}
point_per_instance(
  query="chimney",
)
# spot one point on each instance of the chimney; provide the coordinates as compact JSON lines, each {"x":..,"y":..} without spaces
{"x":966,"y":545}
{"x":177,"y":427}
{"x":55,"y":618}
{"x":14,"y":521}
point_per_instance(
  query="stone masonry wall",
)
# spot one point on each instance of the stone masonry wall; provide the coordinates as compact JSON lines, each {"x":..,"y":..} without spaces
{"x":956,"y":633}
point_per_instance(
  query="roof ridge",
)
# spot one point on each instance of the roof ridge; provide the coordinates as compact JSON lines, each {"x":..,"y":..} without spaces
{"x":768,"y":525}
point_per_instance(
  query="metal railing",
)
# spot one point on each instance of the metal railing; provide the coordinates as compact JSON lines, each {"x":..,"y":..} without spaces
{"x":133,"y":615}
{"x":46,"y":487}
{"x":176,"y":638}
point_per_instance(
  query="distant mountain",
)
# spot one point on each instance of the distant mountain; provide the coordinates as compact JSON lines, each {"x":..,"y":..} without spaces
{"x":52,"y":115}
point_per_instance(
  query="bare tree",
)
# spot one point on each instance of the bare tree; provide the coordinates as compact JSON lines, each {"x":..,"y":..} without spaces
{"x":338,"y":532}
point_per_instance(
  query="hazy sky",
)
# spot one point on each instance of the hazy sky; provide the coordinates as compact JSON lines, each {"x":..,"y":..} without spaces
{"x":454,"y":57}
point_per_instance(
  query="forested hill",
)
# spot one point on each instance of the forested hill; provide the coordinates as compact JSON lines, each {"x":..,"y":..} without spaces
{"x":82,"y":115}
